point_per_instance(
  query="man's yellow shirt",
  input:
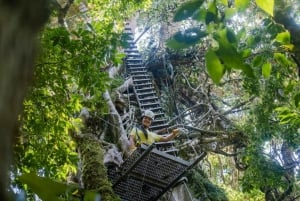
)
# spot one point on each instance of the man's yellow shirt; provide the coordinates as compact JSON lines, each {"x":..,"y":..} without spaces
{"x":140,"y":137}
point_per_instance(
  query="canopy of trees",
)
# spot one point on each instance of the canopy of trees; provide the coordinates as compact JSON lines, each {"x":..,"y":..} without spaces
{"x":226,"y":70}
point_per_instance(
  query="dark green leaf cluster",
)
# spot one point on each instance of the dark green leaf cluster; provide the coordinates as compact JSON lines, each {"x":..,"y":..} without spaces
{"x":203,"y":189}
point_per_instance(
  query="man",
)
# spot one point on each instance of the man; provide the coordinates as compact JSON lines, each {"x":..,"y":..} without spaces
{"x":142,"y":135}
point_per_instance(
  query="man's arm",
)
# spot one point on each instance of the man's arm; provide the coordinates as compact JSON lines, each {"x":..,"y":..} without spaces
{"x":169,"y":137}
{"x":132,"y":144}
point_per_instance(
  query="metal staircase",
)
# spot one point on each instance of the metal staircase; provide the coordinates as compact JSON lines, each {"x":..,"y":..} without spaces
{"x":148,"y":173}
{"x":144,"y":90}
{"x":151,"y":170}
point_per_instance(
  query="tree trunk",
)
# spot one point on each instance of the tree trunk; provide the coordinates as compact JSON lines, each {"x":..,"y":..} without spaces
{"x":93,"y":170}
{"x":20,"y":23}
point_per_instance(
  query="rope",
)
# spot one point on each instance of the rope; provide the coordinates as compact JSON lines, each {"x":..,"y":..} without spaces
{"x":113,"y":125}
{"x":190,"y":195}
{"x":187,"y":190}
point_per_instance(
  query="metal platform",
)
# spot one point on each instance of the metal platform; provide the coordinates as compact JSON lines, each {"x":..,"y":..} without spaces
{"x":148,"y":173}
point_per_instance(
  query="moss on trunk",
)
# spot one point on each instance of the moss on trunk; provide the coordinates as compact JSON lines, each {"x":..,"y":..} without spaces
{"x":93,"y":172}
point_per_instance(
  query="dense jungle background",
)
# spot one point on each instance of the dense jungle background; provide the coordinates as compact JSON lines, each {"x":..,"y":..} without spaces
{"x":226,"y":70}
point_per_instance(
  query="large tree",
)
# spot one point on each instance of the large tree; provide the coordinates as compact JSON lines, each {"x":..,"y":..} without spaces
{"x":229,"y":76}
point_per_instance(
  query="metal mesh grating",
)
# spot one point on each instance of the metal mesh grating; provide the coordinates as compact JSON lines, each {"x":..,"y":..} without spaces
{"x":146,"y":174}
{"x":136,"y":190}
{"x":159,"y":168}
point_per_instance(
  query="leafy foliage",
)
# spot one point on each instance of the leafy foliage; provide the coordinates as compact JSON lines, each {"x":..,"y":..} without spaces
{"x":48,"y":189}
{"x":252,"y":62}
{"x":263,"y":54}
{"x":70,"y":74}
{"x":204,"y":189}
{"x":267,"y":6}
{"x":187,"y":10}
{"x":185,"y":39}
{"x":227,"y":49}
{"x":214,"y":66}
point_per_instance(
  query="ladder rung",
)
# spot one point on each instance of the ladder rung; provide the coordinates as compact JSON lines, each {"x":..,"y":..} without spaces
{"x":130,"y":40}
{"x":148,"y":103}
{"x":153,"y":109}
{"x":136,"y":67}
{"x":161,"y":121}
{"x":145,"y":90}
{"x":131,"y":48}
{"x":131,"y":51}
{"x":147,"y":93}
{"x":152,"y":98}
{"x":131,"y":45}
{"x":142,"y":80}
{"x":135,"y":64}
{"x":140,"y":76}
{"x":131,"y":65}
{"x":147,"y":97}
{"x":139,"y":73}
{"x":133,"y":59}
{"x":142,"y":85}
{"x":159,"y":115}
{"x":132,"y":54}
{"x":153,"y":104}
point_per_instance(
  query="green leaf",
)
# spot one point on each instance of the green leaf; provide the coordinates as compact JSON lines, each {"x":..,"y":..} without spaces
{"x":45,"y":188}
{"x":266,"y":5}
{"x":212,"y":8}
{"x":241,"y":5}
{"x":190,"y":36}
{"x":246,"y":68}
{"x":282,"y":110}
{"x":212,"y":13}
{"x":187,"y":9}
{"x":229,"y":13}
{"x":174,"y":44}
{"x":185,"y":39}
{"x":214,"y":66}
{"x":210,"y":17}
{"x":250,"y":41}
{"x":266,"y":70}
{"x":91,"y":196}
{"x":246,"y":53}
{"x":224,"y":2}
{"x":288,"y":47}
{"x":227,"y":51}
{"x":200,"y":15}
{"x":281,"y":59}
{"x":257,"y":61}
{"x":297,"y":99}
{"x":118,"y":58}
{"x":283,"y":37}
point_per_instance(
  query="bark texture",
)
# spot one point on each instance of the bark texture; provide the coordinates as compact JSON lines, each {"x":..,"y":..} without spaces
{"x":93,"y":170}
{"x":20,"y":22}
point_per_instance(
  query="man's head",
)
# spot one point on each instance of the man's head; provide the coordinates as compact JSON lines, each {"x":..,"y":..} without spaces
{"x":147,"y":118}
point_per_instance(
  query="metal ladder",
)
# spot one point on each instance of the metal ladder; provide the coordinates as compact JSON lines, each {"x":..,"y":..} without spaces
{"x":145,"y":92}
